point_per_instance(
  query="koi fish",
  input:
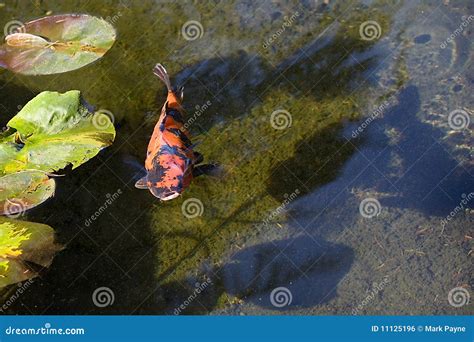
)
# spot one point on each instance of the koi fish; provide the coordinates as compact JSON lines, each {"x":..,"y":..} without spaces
{"x":170,"y":161}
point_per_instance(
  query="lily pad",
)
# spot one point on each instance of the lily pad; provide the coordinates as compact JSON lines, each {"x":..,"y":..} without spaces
{"x":56,"y":44}
{"x":24,"y":190}
{"x":52,"y":131}
{"x":21,"y":243}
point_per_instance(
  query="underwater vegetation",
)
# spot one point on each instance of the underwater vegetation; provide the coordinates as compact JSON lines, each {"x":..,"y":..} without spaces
{"x":265,"y":159}
{"x":51,"y":132}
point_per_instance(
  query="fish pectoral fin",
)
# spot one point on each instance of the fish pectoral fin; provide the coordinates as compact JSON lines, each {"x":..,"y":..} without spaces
{"x":141,"y":183}
{"x":198,"y":157}
{"x":195,"y":144}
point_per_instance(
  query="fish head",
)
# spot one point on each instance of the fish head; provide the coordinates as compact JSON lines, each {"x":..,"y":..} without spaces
{"x":168,"y":177}
{"x":164,"y":194}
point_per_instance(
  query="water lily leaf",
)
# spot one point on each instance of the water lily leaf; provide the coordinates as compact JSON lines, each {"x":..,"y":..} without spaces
{"x":8,"y":147}
{"x":52,"y":131}
{"x":56,"y":44}
{"x":21,"y":243}
{"x":24,"y":190}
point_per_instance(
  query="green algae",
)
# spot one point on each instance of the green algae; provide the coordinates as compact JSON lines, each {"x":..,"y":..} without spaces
{"x":264,"y":165}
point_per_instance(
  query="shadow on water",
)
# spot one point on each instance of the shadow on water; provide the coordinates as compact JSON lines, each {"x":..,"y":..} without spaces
{"x":321,"y":73}
{"x":399,"y":160}
{"x":310,"y":269}
{"x":408,"y":158}
{"x":432,"y":181}
{"x":12,"y":98}
{"x":316,"y":161}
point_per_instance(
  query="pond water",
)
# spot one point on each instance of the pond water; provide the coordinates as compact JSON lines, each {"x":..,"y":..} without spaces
{"x":340,"y":160}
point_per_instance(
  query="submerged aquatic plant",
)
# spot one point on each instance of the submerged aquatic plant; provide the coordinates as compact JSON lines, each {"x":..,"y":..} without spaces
{"x":56,"y":44}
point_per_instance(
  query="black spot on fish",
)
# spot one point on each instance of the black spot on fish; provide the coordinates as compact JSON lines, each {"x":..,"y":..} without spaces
{"x":180,"y":134}
{"x":175,"y":115}
{"x":171,"y":150}
{"x":158,"y":172}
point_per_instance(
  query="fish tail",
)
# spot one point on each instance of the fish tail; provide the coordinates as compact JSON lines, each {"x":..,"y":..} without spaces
{"x":160,"y":71}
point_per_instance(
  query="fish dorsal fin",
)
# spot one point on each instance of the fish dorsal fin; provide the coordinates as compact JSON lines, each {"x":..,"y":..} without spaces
{"x":141,"y":183}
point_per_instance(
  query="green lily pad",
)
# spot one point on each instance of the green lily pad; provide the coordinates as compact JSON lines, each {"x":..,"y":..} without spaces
{"x":24,"y":190}
{"x":24,"y":242}
{"x":52,"y":131}
{"x":56,"y":44}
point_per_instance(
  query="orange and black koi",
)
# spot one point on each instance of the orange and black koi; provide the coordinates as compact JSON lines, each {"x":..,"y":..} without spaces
{"x":170,"y":161}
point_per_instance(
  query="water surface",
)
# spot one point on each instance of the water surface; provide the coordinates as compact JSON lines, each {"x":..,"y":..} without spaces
{"x":285,"y":213}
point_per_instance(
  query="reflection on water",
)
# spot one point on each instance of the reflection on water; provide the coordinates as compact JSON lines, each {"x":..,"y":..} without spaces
{"x":251,"y":239}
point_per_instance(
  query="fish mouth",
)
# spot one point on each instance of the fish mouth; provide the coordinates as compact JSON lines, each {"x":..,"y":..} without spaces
{"x":169,"y":196}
